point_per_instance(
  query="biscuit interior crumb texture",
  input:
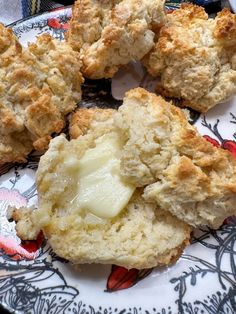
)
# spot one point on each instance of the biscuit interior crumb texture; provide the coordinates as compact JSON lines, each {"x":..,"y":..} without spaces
{"x":195,"y":57}
{"x":181,"y":171}
{"x":180,"y":179}
{"x":141,"y":236}
{"x":39,"y":85}
{"x":109,"y":34}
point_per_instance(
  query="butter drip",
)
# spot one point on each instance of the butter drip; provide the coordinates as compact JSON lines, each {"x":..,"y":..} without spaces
{"x":101,"y":189}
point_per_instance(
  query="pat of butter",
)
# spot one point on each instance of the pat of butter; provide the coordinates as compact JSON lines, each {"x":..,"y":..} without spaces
{"x":101,"y":190}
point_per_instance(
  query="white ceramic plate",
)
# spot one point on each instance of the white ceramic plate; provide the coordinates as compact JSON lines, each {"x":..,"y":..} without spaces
{"x":34,"y":280}
{"x":233,"y":4}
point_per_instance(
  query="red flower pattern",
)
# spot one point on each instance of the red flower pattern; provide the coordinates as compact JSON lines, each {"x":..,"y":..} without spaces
{"x":122,"y":278}
{"x":57,"y":24}
{"x":225,"y":144}
{"x":25,"y":250}
{"x":231,"y":147}
{"x":8,"y":244}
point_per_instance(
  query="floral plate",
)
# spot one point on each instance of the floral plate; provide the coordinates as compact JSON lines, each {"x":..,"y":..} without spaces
{"x":34,"y":280}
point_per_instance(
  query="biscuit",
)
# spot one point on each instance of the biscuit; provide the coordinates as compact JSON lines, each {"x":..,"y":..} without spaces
{"x":141,"y":236}
{"x":163,"y":153}
{"x":195,"y":57}
{"x":180,"y":178}
{"x":39,"y":85}
{"x":180,"y":171}
{"x":109,"y":34}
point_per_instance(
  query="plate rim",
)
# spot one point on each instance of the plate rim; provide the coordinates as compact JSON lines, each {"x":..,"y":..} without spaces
{"x":233,"y":5}
{"x":16,"y":24}
{"x":24,"y":19}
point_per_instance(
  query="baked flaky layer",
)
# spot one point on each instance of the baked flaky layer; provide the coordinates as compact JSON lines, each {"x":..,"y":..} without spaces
{"x":9,"y":45}
{"x":195,"y":57}
{"x":81,"y":119}
{"x":39,"y":85}
{"x":109,"y":34}
{"x":181,"y":171}
{"x":142,"y":236}
{"x":180,"y":179}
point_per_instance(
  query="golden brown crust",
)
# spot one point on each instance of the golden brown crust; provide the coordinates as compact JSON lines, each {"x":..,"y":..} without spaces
{"x":80,"y":121}
{"x":15,"y":147}
{"x":9,"y":45}
{"x":175,"y":255}
{"x":225,"y":29}
{"x":181,"y":171}
{"x":38,"y":87}
{"x":191,"y":12}
{"x":85,"y":23}
{"x":109,"y":34}
{"x":195,"y":57}
{"x":26,"y":229}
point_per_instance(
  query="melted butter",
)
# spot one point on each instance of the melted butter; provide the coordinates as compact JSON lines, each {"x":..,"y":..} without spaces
{"x":101,"y":189}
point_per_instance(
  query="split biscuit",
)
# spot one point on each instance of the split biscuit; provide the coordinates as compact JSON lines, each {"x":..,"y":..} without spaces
{"x":180,"y":179}
{"x":181,"y":171}
{"x":141,"y":235}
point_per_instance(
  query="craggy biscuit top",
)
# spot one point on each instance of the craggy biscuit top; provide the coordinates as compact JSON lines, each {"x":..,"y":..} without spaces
{"x":181,"y":171}
{"x":109,"y":34}
{"x":225,"y":29}
{"x":195,"y":57}
{"x":81,"y":120}
{"x":38,"y":87}
{"x":9,"y":45}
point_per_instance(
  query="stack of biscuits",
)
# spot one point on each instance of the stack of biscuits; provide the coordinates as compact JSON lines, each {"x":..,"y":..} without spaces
{"x":130,"y":184}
